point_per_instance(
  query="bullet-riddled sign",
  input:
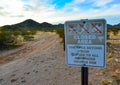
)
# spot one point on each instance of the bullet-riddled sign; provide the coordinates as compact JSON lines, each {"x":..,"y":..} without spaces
{"x":85,"y":42}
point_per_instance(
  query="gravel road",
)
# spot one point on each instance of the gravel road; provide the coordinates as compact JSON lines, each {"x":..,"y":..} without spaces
{"x":39,"y":62}
{"x":42,"y":62}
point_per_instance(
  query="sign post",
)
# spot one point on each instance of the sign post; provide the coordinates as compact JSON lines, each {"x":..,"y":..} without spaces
{"x":85,"y":43}
{"x":84,"y":76}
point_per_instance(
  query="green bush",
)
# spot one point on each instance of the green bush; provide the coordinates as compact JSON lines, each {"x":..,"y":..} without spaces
{"x":60,"y":32}
{"x":6,"y":37}
{"x":114,"y":30}
{"x":16,"y":37}
{"x":29,"y":37}
{"x":10,"y":38}
{"x":118,"y":80}
{"x":19,"y":40}
{"x":106,"y":82}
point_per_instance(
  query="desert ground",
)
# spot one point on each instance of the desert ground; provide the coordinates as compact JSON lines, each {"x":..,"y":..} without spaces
{"x":42,"y":62}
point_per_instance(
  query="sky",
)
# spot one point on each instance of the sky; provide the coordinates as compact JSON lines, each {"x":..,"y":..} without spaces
{"x":58,"y":11}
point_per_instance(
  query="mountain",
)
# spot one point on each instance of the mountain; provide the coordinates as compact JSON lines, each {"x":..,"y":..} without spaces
{"x":116,"y":26}
{"x":113,"y":26}
{"x":109,"y":26}
{"x":27,"y":24}
{"x":45,"y":24}
{"x":31,"y":24}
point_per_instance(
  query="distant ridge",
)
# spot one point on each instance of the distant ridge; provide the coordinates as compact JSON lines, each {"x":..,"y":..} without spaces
{"x":116,"y":26}
{"x":113,"y":26}
{"x":31,"y":24}
{"x":109,"y":26}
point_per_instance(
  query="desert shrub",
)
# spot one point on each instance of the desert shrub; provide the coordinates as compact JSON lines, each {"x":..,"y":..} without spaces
{"x":28,"y":37}
{"x":106,"y":82}
{"x":118,"y":80}
{"x":19,"y":40}
{"x":17,"y":32}
{"x":60,"y":31}
{"x":33,"y":32}
{"x":15,"y":37}
{"x":114,"y":30}
{"x":9,"y":39}
{"x":25,"y":32}
{"x":6,"y":37}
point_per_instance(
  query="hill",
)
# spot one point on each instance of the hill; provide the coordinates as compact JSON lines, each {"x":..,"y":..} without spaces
{"x":109,"y":26}
{"x":116,"y":26}
{"x":113,"y":26}
{"x":31,"y":24}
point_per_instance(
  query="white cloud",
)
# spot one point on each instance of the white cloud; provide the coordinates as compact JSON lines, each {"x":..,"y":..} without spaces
{"x":15,"y":11}
{"x":101,"y":2}
{"x":72,"y":12}
{"x":72,"y":6}
{"x":10,"y":10}
{"x":11,"y":7}
{"x":77,"y":1}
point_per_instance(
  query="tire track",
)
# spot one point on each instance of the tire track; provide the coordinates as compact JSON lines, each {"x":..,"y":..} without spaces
{"x":31,"y":48}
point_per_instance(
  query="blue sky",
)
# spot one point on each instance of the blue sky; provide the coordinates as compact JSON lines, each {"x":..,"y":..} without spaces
{"x":58,"y":11}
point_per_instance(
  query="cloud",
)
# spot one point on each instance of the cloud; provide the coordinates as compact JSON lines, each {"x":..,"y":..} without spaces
{"x":100,"y":3}
{"x":15,"y":11}
{"x":12,"y":7}
{"x":1,"y":8}
{"x":27,"y":7}
{"x":78,"y":1}
{"x":77,"y":11}
{"x":18,"y":16}
{"x":111,"y":10}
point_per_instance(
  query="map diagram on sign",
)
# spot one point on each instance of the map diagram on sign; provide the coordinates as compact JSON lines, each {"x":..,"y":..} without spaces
{"x":85,"y":28}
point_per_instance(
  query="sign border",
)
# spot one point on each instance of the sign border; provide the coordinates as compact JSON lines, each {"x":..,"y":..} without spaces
{"x":105,"y":35}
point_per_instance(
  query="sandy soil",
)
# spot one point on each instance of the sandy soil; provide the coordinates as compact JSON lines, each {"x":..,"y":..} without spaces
{"x":39,"y":62}
{"x":42,"y":62}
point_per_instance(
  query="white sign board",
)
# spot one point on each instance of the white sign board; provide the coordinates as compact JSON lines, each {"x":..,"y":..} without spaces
{"x":85,"y":43}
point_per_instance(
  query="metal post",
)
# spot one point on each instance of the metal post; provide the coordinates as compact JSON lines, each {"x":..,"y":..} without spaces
{"x":84,"y":76}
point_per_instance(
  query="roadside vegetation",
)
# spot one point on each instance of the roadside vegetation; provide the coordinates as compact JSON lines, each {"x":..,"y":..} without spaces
{"x":11,"y":38}
{"x":112,"y":58}
{"x":112,"y":32}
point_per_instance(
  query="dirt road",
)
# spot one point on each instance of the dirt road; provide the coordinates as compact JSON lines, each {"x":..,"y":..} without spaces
{"x":39,"y":62}
{"x":42,"y":62}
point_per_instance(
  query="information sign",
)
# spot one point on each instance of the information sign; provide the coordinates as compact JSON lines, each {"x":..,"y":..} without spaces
{"x":85,"y":43}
